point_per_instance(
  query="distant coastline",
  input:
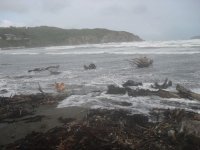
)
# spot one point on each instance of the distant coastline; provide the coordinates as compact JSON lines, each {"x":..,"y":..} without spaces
{"x":43,"y":36}
{"x":195,"y":37}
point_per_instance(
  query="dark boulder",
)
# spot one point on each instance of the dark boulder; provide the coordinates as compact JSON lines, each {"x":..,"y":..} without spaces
{"x":112,"y":89}
{"x":91,"y":66}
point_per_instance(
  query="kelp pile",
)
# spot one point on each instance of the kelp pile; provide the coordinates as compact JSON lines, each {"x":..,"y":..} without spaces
{"x":120,"y":130}
{"x":18,"y":106}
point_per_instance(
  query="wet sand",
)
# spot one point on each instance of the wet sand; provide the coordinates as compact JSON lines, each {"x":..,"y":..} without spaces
{"x":11,"y":132}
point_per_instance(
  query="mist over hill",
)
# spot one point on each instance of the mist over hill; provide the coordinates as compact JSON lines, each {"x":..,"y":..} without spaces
{"x":195,"y":37}
{"x":53,"y":36}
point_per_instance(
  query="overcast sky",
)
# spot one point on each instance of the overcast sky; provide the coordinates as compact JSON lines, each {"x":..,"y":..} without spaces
{"x":150,"y":19}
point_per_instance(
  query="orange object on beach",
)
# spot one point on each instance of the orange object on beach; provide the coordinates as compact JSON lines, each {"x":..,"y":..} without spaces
{"x":60,"y":87}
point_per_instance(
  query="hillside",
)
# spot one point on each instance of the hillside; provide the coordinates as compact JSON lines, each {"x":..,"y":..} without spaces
{"x":195,"y":37}
{"x":52,"y":36}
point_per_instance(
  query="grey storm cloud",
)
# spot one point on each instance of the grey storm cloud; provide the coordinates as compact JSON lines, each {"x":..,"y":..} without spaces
{"x":16,"y":6}
{"x":150,"y":19}
{"x":22,"y":6}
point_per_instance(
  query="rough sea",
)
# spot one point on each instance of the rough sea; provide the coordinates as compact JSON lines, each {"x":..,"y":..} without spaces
{"x":179,"y":61}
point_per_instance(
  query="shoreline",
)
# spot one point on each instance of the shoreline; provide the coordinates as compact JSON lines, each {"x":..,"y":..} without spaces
{"x":109,"y":129}
{"x":18,"y":129}
{"x":45,"y":122}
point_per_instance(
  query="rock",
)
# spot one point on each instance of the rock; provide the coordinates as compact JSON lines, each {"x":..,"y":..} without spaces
{"x":112,"y":89}
{"x":131,"y":83}
{"x":91,"y":66}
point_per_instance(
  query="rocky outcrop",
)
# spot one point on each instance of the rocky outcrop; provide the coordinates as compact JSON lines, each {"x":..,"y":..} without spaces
{"x":112,"y":89}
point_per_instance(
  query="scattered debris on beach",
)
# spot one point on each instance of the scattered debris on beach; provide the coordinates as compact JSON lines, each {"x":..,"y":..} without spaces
{"x":119,"y":129}
{"x":18,"y":106}
{"x":141,"y":62}
{"x":181,"y":92}
{"x":60,"y":87}
{"x":90,"y":66}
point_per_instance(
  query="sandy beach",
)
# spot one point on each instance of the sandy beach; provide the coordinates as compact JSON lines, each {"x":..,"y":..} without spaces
{"x":11,"y":132}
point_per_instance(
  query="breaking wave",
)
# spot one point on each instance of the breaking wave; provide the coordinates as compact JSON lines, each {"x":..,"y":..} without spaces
{"x":144,"y":44}
{"x":136,"y":104}
{"x":145,"y":47}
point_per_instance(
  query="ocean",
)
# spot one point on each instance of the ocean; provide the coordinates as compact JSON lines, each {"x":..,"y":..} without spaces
{"x":179,"y":61}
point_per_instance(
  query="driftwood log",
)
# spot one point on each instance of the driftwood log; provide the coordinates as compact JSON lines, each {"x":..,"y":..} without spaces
{"x":49,"y":68}
{"x":182,"y":92}
{"x":186,"y":93}
{"x":167,"y":83}
{"x":146,"y":92}
{"x":141,"y":62}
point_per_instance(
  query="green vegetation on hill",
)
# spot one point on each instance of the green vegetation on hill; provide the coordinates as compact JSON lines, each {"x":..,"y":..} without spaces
{"x":52,"y":36}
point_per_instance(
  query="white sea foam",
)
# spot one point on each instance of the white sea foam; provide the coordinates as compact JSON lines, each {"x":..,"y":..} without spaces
{"x":18,"y":52}
{"x":145,"y":47}
{"x":139,"y":104}
{"x":25,"y":53}
{"x":144,"y":44}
